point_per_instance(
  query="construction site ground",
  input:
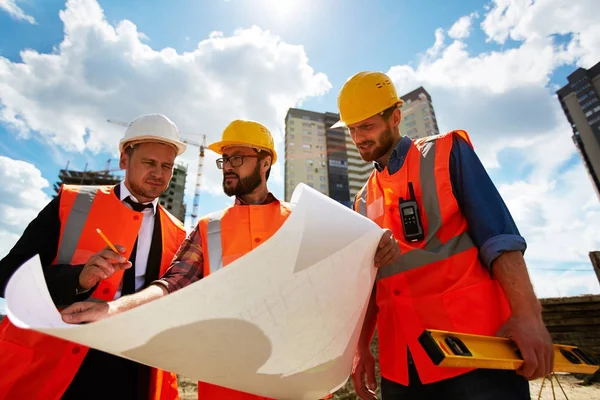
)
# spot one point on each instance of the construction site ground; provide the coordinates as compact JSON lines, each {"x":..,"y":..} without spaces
{"x":571,"y":384}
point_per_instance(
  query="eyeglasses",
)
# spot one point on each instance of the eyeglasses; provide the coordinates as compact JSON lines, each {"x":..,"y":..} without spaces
{"x":234,"y":161}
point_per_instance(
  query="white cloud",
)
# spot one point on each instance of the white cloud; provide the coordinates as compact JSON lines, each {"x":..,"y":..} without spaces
{"x":502,"y":17}
{"x":22,"y":199}
{"x":11,"y":7}
{"x":498,"y":97}
{"x":529,"y":20}
{"x":503,"y":99}
{"x":462,"y":28}
{"x":555,"y":205}
{"x":101,"y":71}
{"x":434,"y":50}
{"x":549,"y":283}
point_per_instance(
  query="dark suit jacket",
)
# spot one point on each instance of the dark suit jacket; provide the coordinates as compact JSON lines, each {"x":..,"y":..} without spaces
{"x":42,"y":236}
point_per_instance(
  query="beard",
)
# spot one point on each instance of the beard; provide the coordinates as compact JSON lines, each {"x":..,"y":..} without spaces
{"x":243,"y":186}
{"x":386,"y":141}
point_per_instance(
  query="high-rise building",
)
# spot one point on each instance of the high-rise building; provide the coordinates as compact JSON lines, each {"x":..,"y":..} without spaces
{"x":337,"y":160}
{"x":171,"y":199}
{"x":305,"y":151}
{"x":358,"y":169}
{"x":418,"y":117}
{"x":580,"y":100}
{"x":327,"y":159}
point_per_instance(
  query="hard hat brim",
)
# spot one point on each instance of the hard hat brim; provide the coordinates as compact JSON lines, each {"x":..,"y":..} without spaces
{"x":179,"y":146}
{"x":343,"y":124}
{"x":217,"y":147}
{"x":339,"y":124}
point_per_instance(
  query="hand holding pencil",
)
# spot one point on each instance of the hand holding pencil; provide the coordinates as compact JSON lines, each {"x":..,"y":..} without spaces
{"x":103,"y":264}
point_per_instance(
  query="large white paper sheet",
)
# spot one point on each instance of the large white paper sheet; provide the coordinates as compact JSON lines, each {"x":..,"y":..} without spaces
{"x":282,"y":321}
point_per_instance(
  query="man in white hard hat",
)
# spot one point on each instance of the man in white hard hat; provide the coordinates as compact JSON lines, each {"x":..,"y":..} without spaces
{"x":79,"y":265}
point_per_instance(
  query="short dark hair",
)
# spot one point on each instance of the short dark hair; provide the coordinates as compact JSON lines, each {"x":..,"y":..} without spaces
{"x":262,"y":154}
{"x":387,"y":113}
{"x":129,"y":149}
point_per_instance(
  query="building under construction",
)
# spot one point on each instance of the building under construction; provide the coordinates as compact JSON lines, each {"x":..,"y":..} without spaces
{"x":172,"y":199}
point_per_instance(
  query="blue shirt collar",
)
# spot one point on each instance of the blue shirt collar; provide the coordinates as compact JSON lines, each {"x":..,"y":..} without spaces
{"x":397,"y":157}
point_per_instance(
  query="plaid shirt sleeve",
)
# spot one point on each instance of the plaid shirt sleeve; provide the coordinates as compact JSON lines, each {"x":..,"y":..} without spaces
{"x":187,"y":265}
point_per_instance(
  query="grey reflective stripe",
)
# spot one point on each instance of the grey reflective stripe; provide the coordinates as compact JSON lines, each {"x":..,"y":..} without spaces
{"x":215,"y":250}
{"x":362,"y":202}
{"x":434,"y":250}
{"x":430,"y":201}
{"x":75,"y":223}
{"x":418,"y":257}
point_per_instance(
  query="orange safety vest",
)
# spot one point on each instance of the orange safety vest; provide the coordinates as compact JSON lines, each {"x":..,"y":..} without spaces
{"x":39,"y":366}
{"x":436,"y":283}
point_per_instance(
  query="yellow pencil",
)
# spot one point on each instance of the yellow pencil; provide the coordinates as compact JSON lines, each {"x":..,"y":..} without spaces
{"x":107,"y":241}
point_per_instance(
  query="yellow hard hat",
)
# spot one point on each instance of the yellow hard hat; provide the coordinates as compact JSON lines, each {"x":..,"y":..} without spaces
{"x":246,"y":133}
{"x":365,"y":95}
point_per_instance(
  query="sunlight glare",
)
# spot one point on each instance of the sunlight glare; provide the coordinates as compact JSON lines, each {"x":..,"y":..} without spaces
{"x":281,"y":8}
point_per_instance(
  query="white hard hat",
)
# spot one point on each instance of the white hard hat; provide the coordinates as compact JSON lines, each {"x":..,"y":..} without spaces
{"x":152,"y":128}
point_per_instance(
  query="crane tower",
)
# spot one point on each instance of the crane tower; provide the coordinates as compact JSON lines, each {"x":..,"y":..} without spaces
{"x":196,"y":203}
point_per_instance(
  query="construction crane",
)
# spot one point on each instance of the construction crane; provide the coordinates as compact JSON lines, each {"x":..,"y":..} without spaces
{"x":202,"y":147}
{"x":196,"y":203}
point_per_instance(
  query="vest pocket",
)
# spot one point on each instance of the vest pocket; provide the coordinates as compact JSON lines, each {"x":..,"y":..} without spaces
{"x":15,"y":359}
{"x":476,"y":309}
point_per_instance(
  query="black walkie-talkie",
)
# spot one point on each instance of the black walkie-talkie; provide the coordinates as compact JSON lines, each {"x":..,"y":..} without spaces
{"x":411,"y":219}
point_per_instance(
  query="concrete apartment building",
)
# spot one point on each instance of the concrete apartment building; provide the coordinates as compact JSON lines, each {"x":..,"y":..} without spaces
{"x":171,"y":199}
{"x":358,"y":170}
{"x":580,"y":101}
{"x":418,"y":116}
{"x":305,"y":151}
{"x":327,"y":160}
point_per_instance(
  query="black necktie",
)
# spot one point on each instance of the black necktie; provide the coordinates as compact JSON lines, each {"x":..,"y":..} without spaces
{"x":139,"y":207}
{"x":129,"y":275}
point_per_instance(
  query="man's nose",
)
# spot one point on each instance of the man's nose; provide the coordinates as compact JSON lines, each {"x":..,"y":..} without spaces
{"x":157,"y":172}
{"x":227,"y":166}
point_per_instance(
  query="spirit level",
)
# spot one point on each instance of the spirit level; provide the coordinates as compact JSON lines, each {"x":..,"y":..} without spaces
{"x":451,"y":349}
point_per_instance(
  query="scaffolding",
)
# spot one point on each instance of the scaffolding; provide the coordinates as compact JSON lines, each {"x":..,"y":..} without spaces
{"x":85,"y":177}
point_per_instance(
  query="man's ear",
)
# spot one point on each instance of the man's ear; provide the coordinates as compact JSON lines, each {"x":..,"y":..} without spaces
{"x":123,"y":160}
{"x":397,"y":116}
{"x":266,"y":162}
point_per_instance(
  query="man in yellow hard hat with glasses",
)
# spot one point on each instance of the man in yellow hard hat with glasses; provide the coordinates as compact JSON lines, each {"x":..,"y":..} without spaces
{"x":248,"y":152}
{"x":461,"y":266}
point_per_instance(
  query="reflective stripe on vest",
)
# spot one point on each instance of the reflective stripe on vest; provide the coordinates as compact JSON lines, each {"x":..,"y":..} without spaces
{"x":75,"y":223}
{"x":434,"y":250}
{"x":215,"y":250}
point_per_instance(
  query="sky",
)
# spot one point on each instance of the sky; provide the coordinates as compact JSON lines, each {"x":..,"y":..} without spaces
{"x":491,"y":68}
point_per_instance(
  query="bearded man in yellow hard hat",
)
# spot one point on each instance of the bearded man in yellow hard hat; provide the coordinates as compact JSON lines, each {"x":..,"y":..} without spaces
{"x":78,"y":265}
{"x":247,"y":153}
{"x":461,"y":266}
